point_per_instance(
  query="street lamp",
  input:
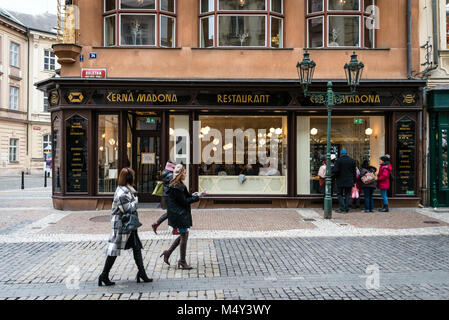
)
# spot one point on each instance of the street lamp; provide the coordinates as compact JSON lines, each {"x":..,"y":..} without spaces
{"x":353,"y":70}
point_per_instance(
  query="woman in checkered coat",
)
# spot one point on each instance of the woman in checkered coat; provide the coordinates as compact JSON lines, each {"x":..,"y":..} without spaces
{"x":125,"y":201}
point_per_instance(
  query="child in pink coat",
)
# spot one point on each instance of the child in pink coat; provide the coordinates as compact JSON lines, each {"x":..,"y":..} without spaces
{"x":383,"y":180}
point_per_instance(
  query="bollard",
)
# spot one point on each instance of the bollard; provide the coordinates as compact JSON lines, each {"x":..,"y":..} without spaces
{"x":23,"y":180}
{"x":45,"y":179}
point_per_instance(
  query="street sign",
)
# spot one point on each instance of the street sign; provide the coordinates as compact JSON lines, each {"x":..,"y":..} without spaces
{"x":93,"y":73}
{"x":92,"y":55}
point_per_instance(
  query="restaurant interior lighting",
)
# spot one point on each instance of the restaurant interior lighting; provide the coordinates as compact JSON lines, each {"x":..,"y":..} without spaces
{"x":368,"y":131}
{"x":314,"y":131}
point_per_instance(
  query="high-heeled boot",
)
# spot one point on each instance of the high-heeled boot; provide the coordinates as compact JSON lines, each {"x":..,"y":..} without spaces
{"x":141,"y":274}
{"x":182,"y":263}
{"x":167,"y":253}
{"x":104,"y":276}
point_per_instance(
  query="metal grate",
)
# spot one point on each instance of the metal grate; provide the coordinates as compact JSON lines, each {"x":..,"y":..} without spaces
{"x":106,"y":218}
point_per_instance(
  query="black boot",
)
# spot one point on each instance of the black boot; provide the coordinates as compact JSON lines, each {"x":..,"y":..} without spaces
{"x":385,"y":208}
{"x":182,"y":263}
{"x":167,"y":253}
{"x":104,"y":276}
{"x":141,"y":274}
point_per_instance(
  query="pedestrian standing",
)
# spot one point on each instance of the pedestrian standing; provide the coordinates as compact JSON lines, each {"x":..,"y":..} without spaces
{"x":322,"y":175}
{"x":167,"y":176}
{"x":383,"y":180}
{"x":345,"y":176}
{"x":179,"y":214}
{"x":368,"y":178}
{"x":125,"y":202}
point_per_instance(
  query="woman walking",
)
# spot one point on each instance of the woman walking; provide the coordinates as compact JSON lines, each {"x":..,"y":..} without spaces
{"x":368,"y":179}
{"x":179,"y":214}
{"x":125,"y":202}
{"x":383,"y":180}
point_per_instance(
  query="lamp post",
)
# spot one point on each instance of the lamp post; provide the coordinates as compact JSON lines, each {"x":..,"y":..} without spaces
{"x":353,"y":71}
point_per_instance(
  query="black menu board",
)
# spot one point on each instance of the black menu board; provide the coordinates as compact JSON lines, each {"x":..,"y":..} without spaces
{"x":405,"y":157}
{"x":76,"y":146}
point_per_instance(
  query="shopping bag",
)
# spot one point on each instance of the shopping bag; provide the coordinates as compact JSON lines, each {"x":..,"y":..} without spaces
{"x":159,"y":189}
{"x":354,"y":192}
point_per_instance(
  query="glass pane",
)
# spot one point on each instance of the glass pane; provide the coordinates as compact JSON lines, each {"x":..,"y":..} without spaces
{"x":109,"y":5}
{"x":344,"y":5}
{"x":241,"y":4}
{"x":343,"y":31}
{"x":444,"y":159}
{"x":138,"y":29}
{"x":167,"y":32}
{"x":207,"y":5}
{"x":149,"y":122}
{"x":369,"y":34}
{"x":138,"y":4}
{"x":148,"y":149}
{"x":315,"y":29}
{"x":276,"y":6}
{"x":56,"y":154}
{"x":405,"y":157}
{"x":179,"y":142}
{"x":168,"y":5}
{"x":276,"y":33}
{"x":76,"y":153}
{"x":129,"y":139}
{"x":314,"y":6}
{"x":241,"y":31}
{"x":109,"y":31}
{"x":108,"y":146}
{"x":254,"y":146}
{"x":207,"y":32}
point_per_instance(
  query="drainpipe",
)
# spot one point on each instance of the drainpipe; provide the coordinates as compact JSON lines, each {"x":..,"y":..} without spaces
{"x":409,"y":39}
{"x":28,"y":100}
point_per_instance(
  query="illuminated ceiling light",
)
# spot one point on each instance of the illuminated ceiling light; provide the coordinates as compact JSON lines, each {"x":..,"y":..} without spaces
{"x":216,"y":141}
{"x":200,"y":136}
{"x":172,"y":132}
{"x":262,"y":142}
{"x":103,"y":135}
{"x":128,"y":145}
{"x":259,"y":135}
{"x":227,"y":146}
{"x":254,"y":140}
{"x":101,"y":148}
{"x":314,"y":131}
{"x":270,"y":134}
{"x":111,"y":141}
{"x":272,"y":130}
{"x":368,"y":131}
{"x":278,"y":131}
{"x":214,"y":148}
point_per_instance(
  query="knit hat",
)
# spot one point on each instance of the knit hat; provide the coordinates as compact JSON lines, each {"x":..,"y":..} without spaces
{"x":385,"y":158}
{"x":343,"y":151}
{"x":178,"y":170}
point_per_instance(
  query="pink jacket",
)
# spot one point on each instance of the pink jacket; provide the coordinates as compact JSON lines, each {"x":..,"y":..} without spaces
{"x":383,"y":177}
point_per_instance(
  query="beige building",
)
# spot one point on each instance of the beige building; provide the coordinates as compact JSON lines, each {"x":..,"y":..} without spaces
{"x":26,"y":57}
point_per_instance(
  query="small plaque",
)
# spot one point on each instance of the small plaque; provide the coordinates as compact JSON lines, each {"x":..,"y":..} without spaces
{"x":149,"y":158}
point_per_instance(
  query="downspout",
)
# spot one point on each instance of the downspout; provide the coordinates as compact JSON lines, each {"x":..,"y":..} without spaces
{"x":409,"y":39}
{"x":28,"y":97}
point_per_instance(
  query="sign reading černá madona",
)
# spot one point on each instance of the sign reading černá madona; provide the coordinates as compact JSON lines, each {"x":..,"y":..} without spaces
{"x":141,"y":97}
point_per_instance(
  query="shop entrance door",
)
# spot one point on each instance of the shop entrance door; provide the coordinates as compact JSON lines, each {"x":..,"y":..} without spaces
{"x":148,"y":172}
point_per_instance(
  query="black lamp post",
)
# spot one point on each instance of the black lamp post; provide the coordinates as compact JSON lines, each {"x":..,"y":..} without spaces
{"x":353,"y":70}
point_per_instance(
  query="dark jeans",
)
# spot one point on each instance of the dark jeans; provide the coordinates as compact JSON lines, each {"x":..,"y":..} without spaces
{"x":162,"y":218}
{"x":344,"y":195}
{"x":163,"y":206}
{"x":368,"y":192}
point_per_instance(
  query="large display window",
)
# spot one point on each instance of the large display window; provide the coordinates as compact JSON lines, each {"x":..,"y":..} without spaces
{"x":243,"y":155}
{"x":363,"y":137}
{"x":108,"y":146}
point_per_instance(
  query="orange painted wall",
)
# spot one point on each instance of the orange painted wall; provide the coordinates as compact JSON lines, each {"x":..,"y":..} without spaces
{"x":389,"y":61}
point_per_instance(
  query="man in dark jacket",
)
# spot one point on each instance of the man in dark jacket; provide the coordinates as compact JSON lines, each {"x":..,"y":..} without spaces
{"x":167,"y":176}
{"x":346,"y":176}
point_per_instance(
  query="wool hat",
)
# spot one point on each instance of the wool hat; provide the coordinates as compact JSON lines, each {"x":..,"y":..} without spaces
{"x":385,"y":158}
{"x":343,"y":151}
{"x":178,"y":170}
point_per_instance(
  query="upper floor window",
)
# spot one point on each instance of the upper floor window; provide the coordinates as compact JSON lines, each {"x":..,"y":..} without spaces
{"x":340,"y":23}
{"x":14,"y":54}
{"x":140,"y":23}
{"x":447,"y":24}
{"x":241,"y":23}
{"x":49,"y":60}
{"x":14,"y":98}
{"x":13,"y":154}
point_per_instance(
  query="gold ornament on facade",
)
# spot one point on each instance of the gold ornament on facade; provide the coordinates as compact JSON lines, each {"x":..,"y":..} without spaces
{"x":76,"y":97}
{"x":409,"y":98}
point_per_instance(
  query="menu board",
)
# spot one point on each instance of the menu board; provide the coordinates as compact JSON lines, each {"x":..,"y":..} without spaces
{"x":76,"y":147}
{"x":405,"y":159}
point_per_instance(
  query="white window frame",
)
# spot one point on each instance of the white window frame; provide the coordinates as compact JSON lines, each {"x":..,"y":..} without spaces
{"x":14,"y":147}
{"x":104,"y":7}
{"x":265,"y":10}
{"x":329,"y":10}
{"x":282,"y":7}
{"x":212,"y":10}
{"x":45,"y":143}
{"x":14,"y":54}
{"x":13,"y":94}
{"x":322,"y":36}
{"x":104,"y":30}
{"x":213,"y":29}
{"x":242,"y":15}
{"x":317,"y":12}
{"x":160,"y":31}
{"x":160,"y":8}
{"x":281,"y":34}
{"x":50,"y":59}
{"x":120,"y":6}
{"x":138,"y":45}
{"x":344,"y":16}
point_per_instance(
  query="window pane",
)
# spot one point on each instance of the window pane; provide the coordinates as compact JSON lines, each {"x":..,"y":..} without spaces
{"x":207,"y":5}
{"x":138,"y":29}
{"x":344,"y":5}
{"x":56,"y":154}
{"x":343,"y":31}
{"x":255,"y":146}
{"x":108,"y":146}
{"x":276,"y":6}
{"x":76,"y":153}
{"x":109,"y":31}
{"x":109,"y":5}
{"x":241,"y":31}
{"x":315,"y":29}
{"x":314,"y":6}
{"x":276,"y":33}
{"x":179,"y":146}
{"x":207,"y":32}
{"x":138,"y":4}
{"x":168,"y":5}
{"x":167,"y":32}
{"x":241,"y":5}
{"x":369,"y":34}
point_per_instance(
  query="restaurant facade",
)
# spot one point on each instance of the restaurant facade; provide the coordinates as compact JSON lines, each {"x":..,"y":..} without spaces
{"x":232,"y":111}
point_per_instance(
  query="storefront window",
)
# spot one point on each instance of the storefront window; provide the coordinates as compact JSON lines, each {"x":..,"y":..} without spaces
{"x":56,"y":150}
{"x":243,"y":154}
{"x":76,"y":154}
{"x":447,"y":24}
{"x":108,"y":146}
{"x":363,"y":138}
{"x":180,"y":142}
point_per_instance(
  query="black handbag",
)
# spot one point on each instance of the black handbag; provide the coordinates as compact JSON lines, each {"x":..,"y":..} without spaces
{"x":130,"y":222}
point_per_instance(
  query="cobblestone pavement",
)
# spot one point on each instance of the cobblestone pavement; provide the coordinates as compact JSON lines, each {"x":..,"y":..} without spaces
{"x":298,"y":255}
{"x":30,"y":181}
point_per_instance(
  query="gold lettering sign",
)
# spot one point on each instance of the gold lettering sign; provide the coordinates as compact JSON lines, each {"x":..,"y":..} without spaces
{"x":243,"y":98}
{"x":349,"y":99}
{"x":142,"y":97}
